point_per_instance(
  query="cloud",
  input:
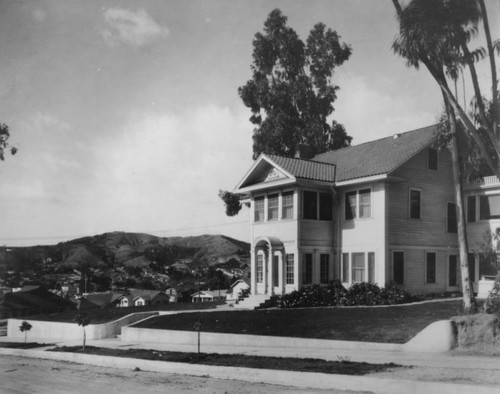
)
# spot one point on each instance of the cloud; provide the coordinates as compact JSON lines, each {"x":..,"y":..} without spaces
{"x":360,"y":107}
{"x":132,"y":28}
{"x":163,"y":171}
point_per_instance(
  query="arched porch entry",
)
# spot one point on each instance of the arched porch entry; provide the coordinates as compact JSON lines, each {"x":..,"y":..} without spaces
{"x":267,"y":267}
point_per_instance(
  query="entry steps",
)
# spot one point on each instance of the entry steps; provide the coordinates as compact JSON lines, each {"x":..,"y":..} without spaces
{"x":252,"y":301}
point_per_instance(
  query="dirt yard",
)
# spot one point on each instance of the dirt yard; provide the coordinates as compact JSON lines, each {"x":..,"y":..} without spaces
{"x":25,"y":375}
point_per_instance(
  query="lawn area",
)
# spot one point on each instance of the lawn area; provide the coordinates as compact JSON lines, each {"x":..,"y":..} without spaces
{"x":104,"y":315}
{"x":393,"y":324}
{"x":238,"y":360}
{"x":22,"y":345}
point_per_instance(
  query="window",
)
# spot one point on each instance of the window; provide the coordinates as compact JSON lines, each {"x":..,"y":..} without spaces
{"x":259,"y":209}
{"x":307,"y":272}
{"x":365,"y":203}
{"x":289,"y":269}
{"x":358,"y":267}
{"x":430,"y":267}
{"x":489,"y":207}
{"x":471,"y":259}
{"x":287,"y":202}
{"x":414,"y":204}
{"x":471,"y":209}
{"x":325,"y":206}
{"x":452,"y":270}
{"x":358,"y":204}
{"x":398,"y":267}
{"x":272,"y":207}
{"x":260,"y":269}
{"x":324,"y":268}
{"x":345,"y":267}
{"x":452,"y":218}
{"x":310,"y":205}
{"x":371,"y":267}
{"x":350,"y":205}
{"x":432,"y":159}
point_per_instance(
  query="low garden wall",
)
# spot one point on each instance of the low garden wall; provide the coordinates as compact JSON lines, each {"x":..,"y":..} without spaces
{"x":174,"y":337}
{"x":62,"y":331}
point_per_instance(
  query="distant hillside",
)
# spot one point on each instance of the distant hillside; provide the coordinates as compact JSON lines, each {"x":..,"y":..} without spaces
{"x":124,"y":249}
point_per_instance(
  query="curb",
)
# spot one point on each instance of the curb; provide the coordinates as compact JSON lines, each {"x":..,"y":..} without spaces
{"x":303,"y":380}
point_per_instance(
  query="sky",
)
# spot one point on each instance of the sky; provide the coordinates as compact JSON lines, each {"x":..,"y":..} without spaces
{"x":127,"y":118}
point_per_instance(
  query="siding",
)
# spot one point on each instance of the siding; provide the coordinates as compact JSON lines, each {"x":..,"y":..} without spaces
{"x":436,"y":191}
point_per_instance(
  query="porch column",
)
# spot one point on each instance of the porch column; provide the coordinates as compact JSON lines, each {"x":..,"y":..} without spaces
{"x":270,"y":265}
{"x":253,"y":271}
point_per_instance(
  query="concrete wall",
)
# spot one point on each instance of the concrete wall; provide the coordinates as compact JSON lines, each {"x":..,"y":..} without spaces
{"x":146,"y":335}
{"x":59,"y":330}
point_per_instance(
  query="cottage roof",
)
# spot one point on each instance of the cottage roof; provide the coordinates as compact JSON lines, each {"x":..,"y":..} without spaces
{"x":380,"y":156}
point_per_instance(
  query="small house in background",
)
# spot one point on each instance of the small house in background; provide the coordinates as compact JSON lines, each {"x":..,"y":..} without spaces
{"x":209,"y":295}
{"x":99,"y":300}
{"x":142,"y":298}
{"x":236,"y":289}
{"x":172,"y":294}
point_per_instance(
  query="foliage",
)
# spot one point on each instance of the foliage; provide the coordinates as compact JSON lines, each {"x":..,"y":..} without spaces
{"x":337,"y":295}
{"x":291,"y":91}
{"x":82,"y":319}
{"x":25,"y":327}
{"x":4,"y":144}
{"x":492,"y":304}
{"x":231,"y":202}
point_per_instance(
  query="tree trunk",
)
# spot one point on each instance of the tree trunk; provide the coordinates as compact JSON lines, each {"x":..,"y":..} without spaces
{"x":84,"y":338}
{"x":467,"y":290}
{"x":494,"y":80}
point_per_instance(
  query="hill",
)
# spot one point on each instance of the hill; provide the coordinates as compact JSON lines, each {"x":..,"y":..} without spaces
{"x":123,"y":249}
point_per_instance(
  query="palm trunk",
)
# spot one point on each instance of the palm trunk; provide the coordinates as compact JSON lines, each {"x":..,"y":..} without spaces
{"x":84,"y":339}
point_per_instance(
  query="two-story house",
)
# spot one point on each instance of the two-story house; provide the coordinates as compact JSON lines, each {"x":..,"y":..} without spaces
{"x":377,"y":212}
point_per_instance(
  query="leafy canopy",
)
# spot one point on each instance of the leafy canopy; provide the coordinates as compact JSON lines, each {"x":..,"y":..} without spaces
{"x":291,"y":93}
{"x":4,"y":136}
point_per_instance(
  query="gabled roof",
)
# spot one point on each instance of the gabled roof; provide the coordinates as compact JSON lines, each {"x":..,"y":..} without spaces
{"x":378,"y":157}
{"x":277,"y":170}
{"x":306,"y":169}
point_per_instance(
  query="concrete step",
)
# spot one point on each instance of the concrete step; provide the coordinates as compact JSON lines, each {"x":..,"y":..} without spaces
{"x":252,"y":301}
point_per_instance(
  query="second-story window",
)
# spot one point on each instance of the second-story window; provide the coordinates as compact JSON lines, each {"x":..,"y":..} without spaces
{"x":432,"y":159}
{"x":287,"y":202}
{"x":489,"y":207}
{"x":358,"y":204}
{"x":310,"y":205}
{"x":272,"y":207}
{"x":325,"y":206}
{"x":259,"y":209}
{"x":414,"y":204}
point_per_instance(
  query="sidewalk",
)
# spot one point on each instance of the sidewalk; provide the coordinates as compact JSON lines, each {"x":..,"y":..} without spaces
{"x":441,"y":362}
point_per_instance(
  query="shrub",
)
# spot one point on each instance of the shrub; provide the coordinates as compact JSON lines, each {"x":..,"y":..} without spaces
{"x":492,"y":304}
{"x":335,"y":294}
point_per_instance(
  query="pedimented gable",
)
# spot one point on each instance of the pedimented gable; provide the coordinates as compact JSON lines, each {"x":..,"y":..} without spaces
{"x":264,"y":172}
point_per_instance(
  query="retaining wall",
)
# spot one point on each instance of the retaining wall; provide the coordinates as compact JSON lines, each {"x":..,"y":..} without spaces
{"x":58,"y":330}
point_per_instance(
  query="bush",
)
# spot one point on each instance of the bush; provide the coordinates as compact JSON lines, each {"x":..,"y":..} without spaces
{"x":337,"y":295}
{"x":492,"y":304}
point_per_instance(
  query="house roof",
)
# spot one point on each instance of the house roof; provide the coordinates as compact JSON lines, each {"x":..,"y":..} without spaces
{"x":305,"y":169}
{"x":378,"y":157}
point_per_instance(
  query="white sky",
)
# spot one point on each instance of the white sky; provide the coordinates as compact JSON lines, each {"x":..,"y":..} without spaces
{"x":127,"y":117}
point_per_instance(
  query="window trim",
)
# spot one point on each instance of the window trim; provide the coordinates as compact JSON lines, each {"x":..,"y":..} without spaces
{"x":356,"y":193}
{"x":474,"y":212}
{"x":410,"y":190}
{"x":427,"y":282}
{"x":283,"y":206}
{"x":263,"y":198}
{"x":428,"y":159}
{"x":363,"y":274}
{"x":289,"y":273}
{"x":275,"y":208}
{"x":448,"y":218}
{"x":346,"y":266}
{"x":393,"y":266}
